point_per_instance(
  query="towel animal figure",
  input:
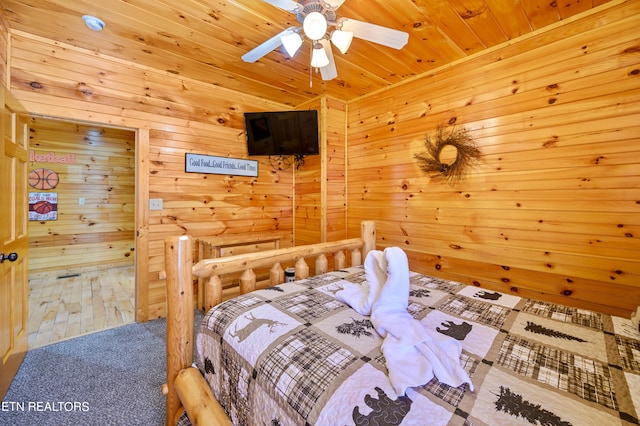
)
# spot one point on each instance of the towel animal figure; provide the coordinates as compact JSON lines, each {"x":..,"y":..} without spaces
{"x":361,"y":297}
{"x":413,"y":357}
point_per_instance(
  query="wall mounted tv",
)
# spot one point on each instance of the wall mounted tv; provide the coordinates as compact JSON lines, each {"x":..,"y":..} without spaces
{"x":282,"y":132}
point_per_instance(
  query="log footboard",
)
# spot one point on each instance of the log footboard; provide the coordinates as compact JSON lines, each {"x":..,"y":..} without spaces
{"x":186,"y":389}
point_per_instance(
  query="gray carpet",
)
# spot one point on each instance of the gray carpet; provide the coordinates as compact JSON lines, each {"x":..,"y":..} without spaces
{"x":113,"y":377}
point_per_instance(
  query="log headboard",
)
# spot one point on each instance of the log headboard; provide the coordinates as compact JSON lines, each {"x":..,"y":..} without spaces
{"x":185,"y":388}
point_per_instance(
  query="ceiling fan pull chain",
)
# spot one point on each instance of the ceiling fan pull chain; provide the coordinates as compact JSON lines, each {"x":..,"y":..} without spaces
{"x":310,"y":67}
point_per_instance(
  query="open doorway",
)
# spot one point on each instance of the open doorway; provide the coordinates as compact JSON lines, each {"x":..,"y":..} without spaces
{"x":81,"y":229}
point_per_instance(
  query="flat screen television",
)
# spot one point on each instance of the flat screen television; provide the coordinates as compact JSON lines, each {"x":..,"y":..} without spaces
{"x":282,"y":132}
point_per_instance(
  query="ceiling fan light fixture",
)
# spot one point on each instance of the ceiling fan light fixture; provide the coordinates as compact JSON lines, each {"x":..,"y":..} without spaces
{"x":320,"y":24}
{"x":291,"y":43}
{"x":319,"y":57}
{"x":342,"y":40}
{"x":315,"y":25}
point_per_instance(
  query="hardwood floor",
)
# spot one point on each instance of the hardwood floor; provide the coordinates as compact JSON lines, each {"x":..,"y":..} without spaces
{"x":64,"y":307}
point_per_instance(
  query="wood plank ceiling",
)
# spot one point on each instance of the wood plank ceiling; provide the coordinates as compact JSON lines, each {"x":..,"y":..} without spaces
{"x":204,"y":39}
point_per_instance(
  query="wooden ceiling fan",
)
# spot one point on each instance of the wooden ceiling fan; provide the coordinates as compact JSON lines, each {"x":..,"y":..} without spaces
{"x":321,"y":25}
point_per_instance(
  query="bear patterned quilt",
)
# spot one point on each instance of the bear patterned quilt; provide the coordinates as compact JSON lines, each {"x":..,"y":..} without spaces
{"x":293,"y":354}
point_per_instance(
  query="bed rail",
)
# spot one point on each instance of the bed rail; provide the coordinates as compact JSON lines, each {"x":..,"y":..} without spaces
{"x":180,"y":270}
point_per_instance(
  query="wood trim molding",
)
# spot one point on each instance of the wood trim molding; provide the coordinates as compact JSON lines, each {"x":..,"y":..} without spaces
{"x":142,"y":225}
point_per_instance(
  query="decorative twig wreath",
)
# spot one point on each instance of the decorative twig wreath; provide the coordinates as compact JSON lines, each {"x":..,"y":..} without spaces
{"x":457,"y":145}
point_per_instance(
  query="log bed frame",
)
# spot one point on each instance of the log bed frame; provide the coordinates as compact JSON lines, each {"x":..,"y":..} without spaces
{"x":186,"y":389}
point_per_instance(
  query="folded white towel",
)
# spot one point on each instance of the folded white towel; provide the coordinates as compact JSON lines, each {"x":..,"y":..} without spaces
{"x":412,"y":356}
{"x":361,"y":297}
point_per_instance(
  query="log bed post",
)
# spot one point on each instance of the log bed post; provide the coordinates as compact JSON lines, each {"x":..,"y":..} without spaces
{"x":247,"y":281}
{"x":340,"y":260}
{"x":302,"y":269}
{"x":185,"y":386}
{"x":322,"y":264}
{"x":276,"y":274}
{"x":213,"y":292}
{"x":368,"y":235}
{"x":179,"y":263}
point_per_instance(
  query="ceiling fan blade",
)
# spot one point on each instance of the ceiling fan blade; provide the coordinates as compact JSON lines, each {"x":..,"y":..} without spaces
{"x":375,"y":33}
{"x":266,"y":47}
{"x":328,"y":72}
{"x":288,"y":5}
{"x":334,"y":3}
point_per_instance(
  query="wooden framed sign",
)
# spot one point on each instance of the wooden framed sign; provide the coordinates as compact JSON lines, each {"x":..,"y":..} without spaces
{"x":43,"y":206}
{"x":198,"y":163}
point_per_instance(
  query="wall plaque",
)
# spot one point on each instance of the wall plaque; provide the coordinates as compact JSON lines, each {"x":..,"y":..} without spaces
{"x":43,"y":206}
{"x":198,"y":163}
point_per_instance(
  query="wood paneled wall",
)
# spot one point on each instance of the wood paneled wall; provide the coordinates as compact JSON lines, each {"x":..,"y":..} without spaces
{"x":334,"y":171}
{"x":308,"y":189}
{"x":4,"y":50}
{"x":172,"y":115}
{"x":99,"y":232}
{"x":320,"y":184}
{"x":553,"y":209}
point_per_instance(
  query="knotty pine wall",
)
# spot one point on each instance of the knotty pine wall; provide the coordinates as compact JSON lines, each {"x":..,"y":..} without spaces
{"x":100,"y":232}
{"x":320,"y":185}
{"x":4,"y":49}
{"x":170,"y":115}
{"x":553,"y":209}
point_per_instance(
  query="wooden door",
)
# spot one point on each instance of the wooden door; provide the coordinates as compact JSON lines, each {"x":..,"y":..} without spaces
{"x":14,"y":286}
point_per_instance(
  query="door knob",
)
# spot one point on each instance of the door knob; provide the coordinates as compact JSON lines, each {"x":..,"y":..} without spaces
{"x":11,"y":257}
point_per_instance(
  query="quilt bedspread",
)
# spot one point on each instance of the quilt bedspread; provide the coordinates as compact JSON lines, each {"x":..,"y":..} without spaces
{"x":295,"y":355}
